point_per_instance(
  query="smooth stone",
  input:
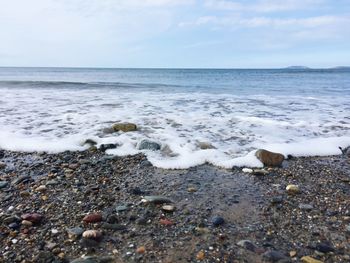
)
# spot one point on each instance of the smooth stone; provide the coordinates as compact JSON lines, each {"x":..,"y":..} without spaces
{"x":74,"y":232}
{"x":157,"y":199}
{"x":124,"y":127}
{"x":92,"y":234}
{"x":44,"y":257}
{"x":247,"y":170}
{"x":109,"y":146}
{"x":41,"y":188}
{"x":148,"y":145}
{"x":277,"y":199}
{"x":3,"y":184}
{"x":205,"y":145}
{"x":32,"y":217}
{"x":2,"y":165}
{"x":269,"y":158}
{"x":90,"y":142}
{"x":93,"y":218}
{"x":121,"y":208}
{"x":14,"y":225}
{"x":308,"y":259}
{"x":260,"y":172}
{"x":274,"y":256}
{"x":306,"y":207}
{"x":51,"y":182}
{"x":26,"y":223}
{"x":11,"y":219}
{"x":324,"y":247}
{"x":168,"y":208}
{"x":217,"y":220}
{"x":247,"y":244}
{"x":292,"y":189}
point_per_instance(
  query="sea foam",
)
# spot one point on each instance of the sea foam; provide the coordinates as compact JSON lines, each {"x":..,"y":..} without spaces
{"x":59,"y":119}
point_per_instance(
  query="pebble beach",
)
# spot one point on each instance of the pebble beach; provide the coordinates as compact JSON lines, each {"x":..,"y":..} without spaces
{"x":91,"y":207}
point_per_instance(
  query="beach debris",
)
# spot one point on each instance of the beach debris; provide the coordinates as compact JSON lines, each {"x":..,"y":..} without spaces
{"x":269,"y":158}
{"x":308,"y":259}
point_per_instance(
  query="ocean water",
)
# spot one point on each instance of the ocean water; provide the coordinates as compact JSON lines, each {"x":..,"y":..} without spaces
{"x":298,"y":112}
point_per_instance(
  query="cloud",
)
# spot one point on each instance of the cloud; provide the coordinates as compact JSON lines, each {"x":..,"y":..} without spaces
{"x":262,"y":5}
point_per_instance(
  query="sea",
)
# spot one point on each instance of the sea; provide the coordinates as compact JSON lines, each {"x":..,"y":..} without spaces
{"x":233,"y":112}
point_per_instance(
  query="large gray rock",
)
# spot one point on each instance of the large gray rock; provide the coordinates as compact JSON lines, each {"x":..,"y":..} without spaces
{"x":149,"y":145}
{"x":269,"y":158}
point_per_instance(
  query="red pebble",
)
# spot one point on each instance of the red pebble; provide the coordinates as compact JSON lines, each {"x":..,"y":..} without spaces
{"x":166,"y":222}
{"x":92,"y":218}
{"x":32,"y":217}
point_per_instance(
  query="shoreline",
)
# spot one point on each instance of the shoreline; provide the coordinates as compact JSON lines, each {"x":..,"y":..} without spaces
{"x":221,"y":215}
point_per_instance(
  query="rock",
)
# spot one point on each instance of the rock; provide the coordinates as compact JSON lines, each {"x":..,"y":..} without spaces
{"x":201,"y":255}
{"x":26,"y":223}
{"x":168,"y":208}
{"x":274,"y":256}
{"x":277,"y":199}
{"x":90,"y":142}
{"x":247,"y":170}
{"x":205,"y":145}
{"x":155,"y":199}
{"x":308,"y":259}
{"x":292,"y":189}
{"x":51,"y":182}
{"x":292,"y":253}
{"x":41,"y":188}
{"x":324,"y":247}
{"x":269,"y":158}
{"x":247,"y":244}
{"x":191,"y":189}
{"x":124,"y":127}
{"x":22,"y":179}
{"x":74,"y":232}
{"x":95,"y":259}
{"x":306,"y":207}
{"x":121,"y":208}
{"x":2,"y":165}
{"x":13,"y":225}
{"x":217,"y":220}
{"x":3,"y":184}
{"x":92,"y":234}
{"x":148,"y":145}
{"x":166,"y":222}
{"x":35,"y":218}
{"x":136,"y":191}
{"x":93,"y":218}
{"x":141,"y":250}
{"x":145,"y":163}
{"x":108,"y":146}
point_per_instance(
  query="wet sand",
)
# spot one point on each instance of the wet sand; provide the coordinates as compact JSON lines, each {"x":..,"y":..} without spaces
{"x":219,"y":215}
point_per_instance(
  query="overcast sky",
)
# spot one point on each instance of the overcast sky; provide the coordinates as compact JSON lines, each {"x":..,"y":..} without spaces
{"x":175,"y":33}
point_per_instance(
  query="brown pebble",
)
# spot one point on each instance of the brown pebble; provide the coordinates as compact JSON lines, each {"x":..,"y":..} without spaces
{"x":92,"y":218}
{"x":141,"y":250}
{"x":200,"y":255}
{"x":32,"y":217}
{"x":166,"y":222}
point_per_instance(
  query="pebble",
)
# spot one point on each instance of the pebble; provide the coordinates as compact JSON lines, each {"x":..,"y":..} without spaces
{"x":26,"y":223}
{"x":247,"y":244}
{"x":93,"y":218}
{"x":168,"y":208}
{"x":2,"y":165}
{"x":155,"y":199}
{"x":273,"y":256}
{"x":247,"y":170}
{"x":217,"y":220}
{"x":277,"y":199}
{"x":306,"y":207}
{"x":74,"y":232}
{"x":121,"y":208}
{"x":324,"y":247}
{"x":141,"y":250}
{"x":191,"y":190}
{"x":41,"y":188}
{"x":32,"y":217}
{"x":3,"y":184}
{"x":92,"y":234}
{"x":23,"y":178}
{"x":166,"y":222}
{"x":292,"y":253}
{"x":292,"y":189}
{"x":200,"y":255}
{"x":308,"y":259}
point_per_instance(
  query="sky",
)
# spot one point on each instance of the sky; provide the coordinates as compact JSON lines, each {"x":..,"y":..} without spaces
{"x":175,"y":33}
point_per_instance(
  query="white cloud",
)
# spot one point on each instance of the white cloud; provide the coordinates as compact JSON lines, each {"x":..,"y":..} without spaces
{"x":262,"y":5}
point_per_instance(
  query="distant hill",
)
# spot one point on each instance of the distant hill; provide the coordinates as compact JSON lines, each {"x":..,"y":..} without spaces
{"x":341,"y":67}
{"x":297,"y":67}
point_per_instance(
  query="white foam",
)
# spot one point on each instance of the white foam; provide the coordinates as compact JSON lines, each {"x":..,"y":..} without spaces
{"x":55,"y":120}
